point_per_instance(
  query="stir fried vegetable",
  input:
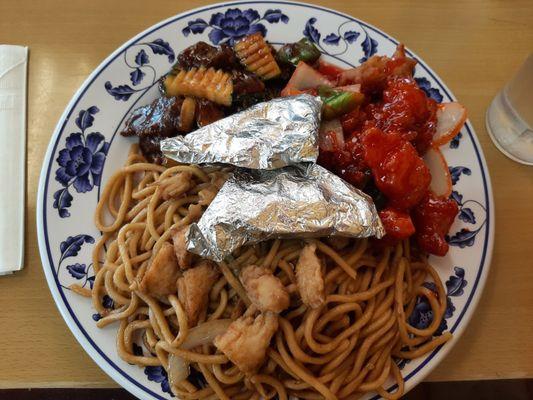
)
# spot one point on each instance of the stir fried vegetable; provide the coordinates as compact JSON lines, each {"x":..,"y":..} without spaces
{"x":337,"y":102}
{"x":303,"y":50}
{"x":205,"y":333}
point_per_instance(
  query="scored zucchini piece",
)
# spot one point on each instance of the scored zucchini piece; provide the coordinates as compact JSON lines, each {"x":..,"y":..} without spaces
{"x":210,"y":84}
{"x":255,"y":54}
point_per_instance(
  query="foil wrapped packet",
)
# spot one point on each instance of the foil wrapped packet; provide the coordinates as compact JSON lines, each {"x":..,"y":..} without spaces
{"x":301,"y":201}
{"x":269,"y":135}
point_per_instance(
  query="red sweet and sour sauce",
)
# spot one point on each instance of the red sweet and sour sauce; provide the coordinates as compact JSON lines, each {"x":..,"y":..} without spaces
{"x":385,"y":140}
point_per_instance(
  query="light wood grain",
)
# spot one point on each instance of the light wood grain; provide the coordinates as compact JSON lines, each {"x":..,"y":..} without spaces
{"x":473,"y":45}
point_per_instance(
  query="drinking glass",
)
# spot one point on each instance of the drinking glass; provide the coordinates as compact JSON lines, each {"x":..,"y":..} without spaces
{"x":509,"y":118}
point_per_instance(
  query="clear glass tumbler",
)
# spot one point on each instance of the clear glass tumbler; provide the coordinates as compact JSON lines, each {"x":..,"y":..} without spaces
{"x":510,"y":116}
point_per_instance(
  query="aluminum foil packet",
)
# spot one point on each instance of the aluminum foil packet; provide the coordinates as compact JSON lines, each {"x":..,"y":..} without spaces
{"x":301,"y":201}
{"x":269,"y":135}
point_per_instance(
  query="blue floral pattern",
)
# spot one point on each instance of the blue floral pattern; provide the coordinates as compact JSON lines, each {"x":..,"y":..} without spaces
{"x":82,"y":273}
{"x":108,"y":303}
{"x":70,"y":248}
{"x":159,"y":375}
{"x":234,"y":24}
{"x":139,"y":68}
{"x":465,"y":237}
{"x":80,"y":162}
{"x":369,"y":46}
{"x":153,"y":373}
{"x":456,"y":172}
{"x":430,"y":92}
{"x":454,"y":143}
{"x":311,"y":33}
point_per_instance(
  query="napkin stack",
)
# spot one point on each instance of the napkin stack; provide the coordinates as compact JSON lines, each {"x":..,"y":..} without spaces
{"x":13,"y":72}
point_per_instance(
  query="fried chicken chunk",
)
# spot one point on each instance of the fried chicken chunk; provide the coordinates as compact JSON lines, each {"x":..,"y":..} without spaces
{"x":264,"y":289}
{"x":184,"y":258}
{"x":309,"y":277}
{"x":160,"y":277}
{"x":194,"y":287}
{"x":247,"y":339}
{"x":373,"y":73}
{"x":194,"y":212}
{"x":206,"y":195}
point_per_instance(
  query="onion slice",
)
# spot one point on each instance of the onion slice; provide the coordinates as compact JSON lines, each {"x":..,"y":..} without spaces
{"x":178,"y":368}
{"x":330,"y":135}
{"x":441,"y":182}
{"x":450,"y":119}
{"x":205,"y":333}
{"x":305,"y":77}
{"x":356,"y":88}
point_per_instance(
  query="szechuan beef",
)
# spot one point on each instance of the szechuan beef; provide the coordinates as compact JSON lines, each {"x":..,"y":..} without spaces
{"x":150,"y":149}
{"x":202,"y":54}
{"x":208,"y":112}
{"x":160,"y":118}
{"x":249,"y":89}
{"x":245,"y":82}
{"x":153,"y":123}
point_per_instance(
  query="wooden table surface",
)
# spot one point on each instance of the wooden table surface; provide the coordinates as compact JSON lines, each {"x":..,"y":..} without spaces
{"x":473,"y":45}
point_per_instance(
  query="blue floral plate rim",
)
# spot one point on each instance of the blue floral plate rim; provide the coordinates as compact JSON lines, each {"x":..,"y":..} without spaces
{"x":109,"y":366}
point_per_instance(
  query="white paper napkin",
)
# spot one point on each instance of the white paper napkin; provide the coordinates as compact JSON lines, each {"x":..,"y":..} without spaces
{"x":13,"y":67}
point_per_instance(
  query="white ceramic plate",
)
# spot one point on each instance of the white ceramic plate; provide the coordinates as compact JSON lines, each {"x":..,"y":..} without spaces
{"x":85,"y":150}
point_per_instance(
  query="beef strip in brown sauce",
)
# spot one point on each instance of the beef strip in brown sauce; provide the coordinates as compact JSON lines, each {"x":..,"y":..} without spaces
{"x":149,"y":146}
{"x":202,"y":54}
{"x":154,"y":122}
{"x":208,"y":112}
{"x":160,"y":118}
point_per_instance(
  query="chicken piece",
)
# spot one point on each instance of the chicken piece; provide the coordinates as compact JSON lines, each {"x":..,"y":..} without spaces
{"x":247,"y":339}
{"x":264,"y":289}
{"x":309,"y":277}
{"x":195,"y":212}
{"x":210,"y":189}
{"x":373,"y":73}
{"x":207,"y":194}
{"x":176,"y":185}
{"x":194,"y":287}
{"x":178,"y":238}
{"x":402,"y":65}
{"x":183,"y":257}
{"x":160,"y":277}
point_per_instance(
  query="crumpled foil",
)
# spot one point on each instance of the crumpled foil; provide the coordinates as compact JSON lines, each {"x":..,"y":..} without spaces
{"x":268,"y":135}
{"x":301,"y":201}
